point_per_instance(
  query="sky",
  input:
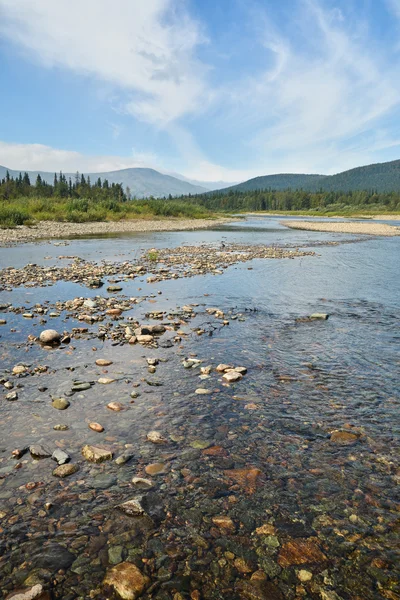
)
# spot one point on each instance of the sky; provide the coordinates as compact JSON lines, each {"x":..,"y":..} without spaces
{"x":210,"y":89}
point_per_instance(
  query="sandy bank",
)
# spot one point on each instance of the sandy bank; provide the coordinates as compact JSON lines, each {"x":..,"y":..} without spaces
{"x":51,"y":229}
{"x":363,"y":228}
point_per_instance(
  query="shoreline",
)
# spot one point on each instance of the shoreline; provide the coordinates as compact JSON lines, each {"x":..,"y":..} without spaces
{"x":363,"y":228}
{"x":55,"y":230}
{"x":372,"y":217}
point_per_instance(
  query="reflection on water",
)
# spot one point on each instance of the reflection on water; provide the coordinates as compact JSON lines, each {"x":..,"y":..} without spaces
{"x":254,"y":500}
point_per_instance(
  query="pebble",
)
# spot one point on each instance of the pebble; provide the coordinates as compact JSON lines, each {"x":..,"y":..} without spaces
{"x":105,"y":380}
{"x":60,"y":456}
{"x":232,"y":376}
{"x":142,"y":483}
{"x":132,"y":507}
{"x":39,"y":452}
{"x":103,"y":362}
{"x":96,"y":427}
{"x":126,"y":580}
{"x":156,"y":437}
{"x":123,"y":458}
{"x":65,"y":470}
{"x":115,"y":406}
{"x":60,"y":403}
{"x":60,"y":427}
{"x":155,"y":468}
{"x":12,"y":396}
{"x":95,"y":454}
{"x":203,"y":391}
{"x":19,"y":369}
{"x":50,"y":336}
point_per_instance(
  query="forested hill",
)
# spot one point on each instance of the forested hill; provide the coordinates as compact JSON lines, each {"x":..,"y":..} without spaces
{"x":380,"y":177}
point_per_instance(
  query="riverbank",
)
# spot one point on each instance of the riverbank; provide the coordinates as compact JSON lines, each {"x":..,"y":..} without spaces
{"x":363,"y":228}
{"x":52,"y":229}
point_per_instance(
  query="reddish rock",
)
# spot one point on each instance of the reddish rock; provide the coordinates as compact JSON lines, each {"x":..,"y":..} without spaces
{"x":96,"y":427}
{"x":215,"y":451}
{"x":245,"y":478}
{"x":256,"y":591}
{"x":300,"y":551}
{"x":115,"y":406}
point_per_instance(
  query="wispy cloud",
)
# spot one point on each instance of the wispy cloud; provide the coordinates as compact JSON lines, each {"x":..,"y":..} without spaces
{"x":38,"y":157}
{"x":143,"y":47}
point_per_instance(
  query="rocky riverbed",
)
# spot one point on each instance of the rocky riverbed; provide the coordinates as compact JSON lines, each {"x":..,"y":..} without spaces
{"x":192,"y":450}
{"x":52,"y":229}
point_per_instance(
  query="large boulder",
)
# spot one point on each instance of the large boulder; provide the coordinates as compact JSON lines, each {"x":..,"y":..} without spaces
{"x":50,"y":336}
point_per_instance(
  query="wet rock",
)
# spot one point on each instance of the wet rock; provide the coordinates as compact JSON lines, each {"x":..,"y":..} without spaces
{"x":304,"y":575}
{"x":12,"y":396}
{"x":50,"y":336}
{"x":60,"y":403}
{"x":81,"y":386}
{"x":19,"y":369}
{"x":39,"y":452}
{"x":60,"y":427}
{"x":103,"y":481}
{"x":35,"y":592}
{"x":126,"y":581}
{"x":96,"y":427}
{"x":114,"y":288}
{"x":223,"y":367}
{"x":141,"y":483}
{"x":258,"y":591}
{"x":232,"y":376}
{"x":54,"y":557}
{"x":344,"y":437}
{"x":95,"y":454}
{"x":203,"y":391}
{"x":300,"y":551}
{"x":132,"y":507}
{"x":246,"y":478}
{"x":224,"y":523}
{"x":155,"y":469}
{"x":65,"y":470}
{"x":319,"y":316}
{"x":60,"y":456}
{"x":156,"y":437}
{"x":123,"y":458}
{"x":105,"y":380}
{"x":103,"y":362}
{"x":144,"y":339}
{"x":115,"y":555}
{"x":115,"y":406}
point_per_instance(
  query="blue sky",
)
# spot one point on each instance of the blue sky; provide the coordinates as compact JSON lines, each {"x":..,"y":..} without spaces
{"x":211,"y":89}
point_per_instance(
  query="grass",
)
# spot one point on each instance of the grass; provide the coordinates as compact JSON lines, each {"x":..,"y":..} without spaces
{"x":25,"y":211}
{"x":153,"y":256}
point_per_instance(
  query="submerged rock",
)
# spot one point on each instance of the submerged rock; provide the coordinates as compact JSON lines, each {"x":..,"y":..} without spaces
{"x":65,"y":470}
{"x":343,"y":437}
{"x":60,"y":456}
{"x":60,"y":403}
{"x":39,"y":452}
{"x":35,"y":592}
{"x":156,"y":437}
{"x":300,"y":551}
{"x":95,"y":454}
{"x":126,"y":581}
{"x":123,"y":458}
{"x":132,"y":507}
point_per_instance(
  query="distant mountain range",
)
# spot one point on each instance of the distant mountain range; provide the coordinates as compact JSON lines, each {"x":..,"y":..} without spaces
{"x":141,"y":182}
{"x":380,"y":177}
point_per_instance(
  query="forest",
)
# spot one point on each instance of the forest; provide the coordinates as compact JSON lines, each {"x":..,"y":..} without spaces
{"x":80,"y":200}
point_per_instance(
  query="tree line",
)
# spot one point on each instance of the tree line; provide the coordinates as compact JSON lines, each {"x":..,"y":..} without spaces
{"x":81,"y":187}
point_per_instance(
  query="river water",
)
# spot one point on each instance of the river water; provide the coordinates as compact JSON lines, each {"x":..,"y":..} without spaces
{"x":255,"y":498}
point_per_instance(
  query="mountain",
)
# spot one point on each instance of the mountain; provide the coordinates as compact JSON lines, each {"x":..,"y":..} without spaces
{"x":141,"y":182}
{"x":209,"y":185}
{"x":380,"y":177}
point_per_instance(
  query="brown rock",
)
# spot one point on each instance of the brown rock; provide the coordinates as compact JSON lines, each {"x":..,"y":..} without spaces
{"x":246,"y":478}
{"x":225,"y":523}
{"x":65,"y":470}
{"x":103,"y":362}
{"x":96,"y":427}
{"x":95,"y":454}
{"x":255,"y":591}
{"x":155,"y":468}
{"x":126,"y":580}
{"x":215,"y":451}
{"x":343,"y":437}
{"x":300,"y":551}
{"x":115,"y":406}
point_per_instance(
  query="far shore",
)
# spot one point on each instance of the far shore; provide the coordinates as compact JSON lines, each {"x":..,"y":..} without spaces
{"x":373,"y":217}
{"x":363,"y":228}
{"x":52,"y":229}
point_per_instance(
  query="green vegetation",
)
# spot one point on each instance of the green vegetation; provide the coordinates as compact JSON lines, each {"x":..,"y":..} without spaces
{"x":381,"y":178}
{"x":153,"y":256}
{"x":81,"y":202}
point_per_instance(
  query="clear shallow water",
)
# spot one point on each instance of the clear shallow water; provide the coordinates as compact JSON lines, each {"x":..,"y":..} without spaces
{"x":304,"y":380}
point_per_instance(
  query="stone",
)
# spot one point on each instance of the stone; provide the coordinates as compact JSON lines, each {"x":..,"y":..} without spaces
{"x":141,"y":483}
{"x":60,"y":427}
{"x":224,"y":523}
{"x":60,"y":403}
{"x":300,"y":551}
{"x":115,"y":406}
{"x":96,"y":427}
{"x":245,"y":478}
{"x":155,"y":469}
{"x":126,"y":580}
{"x":304,"y":575}
{"x":50,"y":336}
{"x":103,"y":362}
{"x":60,"y":456}
{"x":115,"y":555}
{"x":54,"y":556}
{"x":65,"y":470}
{"x":232,"y":376}
{"x":144,"y":339}
{"x":319,"y":316}
{"x":32,"y":593}
{"x":123,"y":458}
{"x":19,"y":369}
{"x":12,"y":396}
{"x":132,"y":507}
{"x":222,"y":368}
{"x":105,"y":380}
{"x":39,"y":452}
{"x":255,"y":591}
{"x":156,"y":437}
{"x":95,"y":454}
{"x":203,"y":391}
{"x":81,"y":386}
{"x":344,"y":437}
{"x":114,"y":288}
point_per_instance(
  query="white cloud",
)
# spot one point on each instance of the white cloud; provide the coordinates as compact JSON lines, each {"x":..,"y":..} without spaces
{"x":37,"y":157}
{"x":144,"y":47}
